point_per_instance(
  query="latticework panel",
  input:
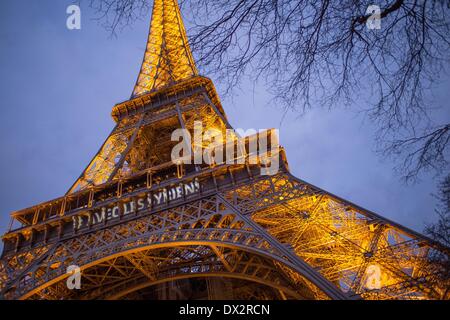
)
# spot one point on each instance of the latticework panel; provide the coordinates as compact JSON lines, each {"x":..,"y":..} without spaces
{"x":360,"y":252}
{"x":209,"y":222}
{"x":167,"y":58}
{"x":144,"y":140}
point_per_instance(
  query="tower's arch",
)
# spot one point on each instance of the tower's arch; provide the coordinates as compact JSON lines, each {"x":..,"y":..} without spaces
{"x":114,"y":276}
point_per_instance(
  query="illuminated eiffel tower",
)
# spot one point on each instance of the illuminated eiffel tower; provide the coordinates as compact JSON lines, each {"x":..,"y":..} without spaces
{"x":141,"y":226}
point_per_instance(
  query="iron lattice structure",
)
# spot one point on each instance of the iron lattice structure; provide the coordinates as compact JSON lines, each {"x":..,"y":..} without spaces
{"x":230,"y":232}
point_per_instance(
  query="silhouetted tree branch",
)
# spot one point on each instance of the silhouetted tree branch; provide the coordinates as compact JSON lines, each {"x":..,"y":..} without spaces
{"x":119,"y":13}
{"x":425,"y":152}
{"x":321,"y":53}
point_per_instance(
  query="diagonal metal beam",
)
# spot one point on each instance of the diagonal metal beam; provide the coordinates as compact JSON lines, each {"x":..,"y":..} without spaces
{"x":297,"y":263}
{"x":138,"y":266}
{"x":222,"y":258}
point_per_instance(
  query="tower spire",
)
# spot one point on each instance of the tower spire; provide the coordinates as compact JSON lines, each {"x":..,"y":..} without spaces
{"x":168,"y":58}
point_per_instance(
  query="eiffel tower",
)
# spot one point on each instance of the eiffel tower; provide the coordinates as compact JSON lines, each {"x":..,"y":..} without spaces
{"x":138,"y":225}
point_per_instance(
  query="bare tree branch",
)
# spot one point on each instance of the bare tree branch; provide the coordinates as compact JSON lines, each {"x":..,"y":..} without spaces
{"x":440,"y":231}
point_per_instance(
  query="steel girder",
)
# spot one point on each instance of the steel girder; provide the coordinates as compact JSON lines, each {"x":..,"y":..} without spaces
{"x":313,"y":235}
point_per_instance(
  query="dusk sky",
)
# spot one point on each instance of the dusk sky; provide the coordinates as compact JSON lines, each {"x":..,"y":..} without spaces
{"x":58,"y":87}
